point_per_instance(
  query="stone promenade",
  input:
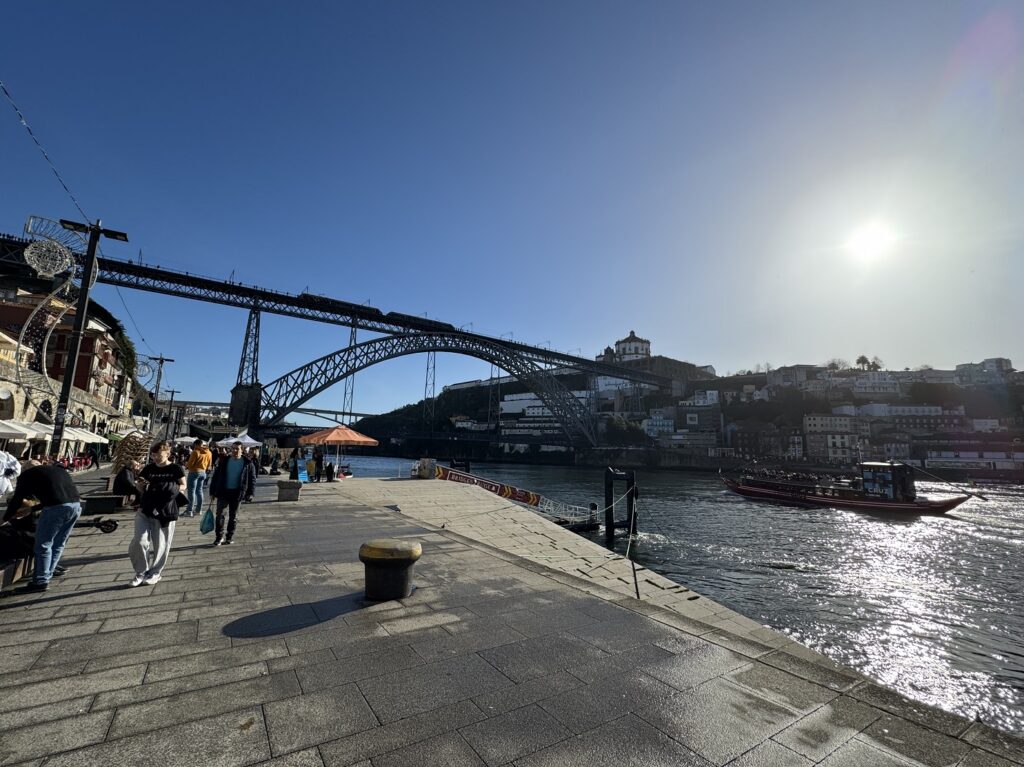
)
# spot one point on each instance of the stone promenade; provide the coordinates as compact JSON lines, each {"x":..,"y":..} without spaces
{"x":521,"y":645}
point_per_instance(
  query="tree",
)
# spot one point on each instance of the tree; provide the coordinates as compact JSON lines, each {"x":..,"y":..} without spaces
{"x":863,"y":362}
{"x":837,"y":363}
{"x":876,"y":363}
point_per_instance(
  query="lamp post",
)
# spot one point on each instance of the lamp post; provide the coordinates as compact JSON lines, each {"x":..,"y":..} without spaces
{"x":95,"y":231}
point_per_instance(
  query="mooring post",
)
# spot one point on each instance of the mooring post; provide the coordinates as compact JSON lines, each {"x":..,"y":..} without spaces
{"x":631,"y":502}
{"x":609,"y":505}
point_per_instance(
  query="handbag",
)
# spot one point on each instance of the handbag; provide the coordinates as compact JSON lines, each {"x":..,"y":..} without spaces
{"x":207,"y":523}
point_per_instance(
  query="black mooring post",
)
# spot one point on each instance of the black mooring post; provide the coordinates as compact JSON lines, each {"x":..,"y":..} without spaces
{"x":631,"y":502}
{"x":609,"y":507}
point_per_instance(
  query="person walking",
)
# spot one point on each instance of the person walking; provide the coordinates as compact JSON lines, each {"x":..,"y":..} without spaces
{"x":161,"y":482}
{"x":50,"y":488}
{"x":233,"y":481}
{"x":318,"y":465}
{"x":198,"y":465}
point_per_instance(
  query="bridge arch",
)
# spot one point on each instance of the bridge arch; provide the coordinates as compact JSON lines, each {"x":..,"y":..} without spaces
{"x":283,"y":395}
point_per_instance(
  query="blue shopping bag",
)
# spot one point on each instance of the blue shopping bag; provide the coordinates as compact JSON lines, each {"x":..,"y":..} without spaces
{"x":207,"y":523}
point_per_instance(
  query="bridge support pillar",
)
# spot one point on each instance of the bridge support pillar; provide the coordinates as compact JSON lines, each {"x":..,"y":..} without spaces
{"x":245,"y":405}
{"x":249,"y":365}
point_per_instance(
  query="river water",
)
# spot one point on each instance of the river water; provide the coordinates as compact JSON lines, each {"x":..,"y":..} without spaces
{"x":930,"y":606}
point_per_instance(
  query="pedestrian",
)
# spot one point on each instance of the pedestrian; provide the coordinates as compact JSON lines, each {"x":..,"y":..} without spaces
{"x":10,"y":469}
{"x":51,"y":489}
{"x":198,"y":465}
{"x":161,"y":482}
{"x":318,"y":465}
{"x":124,"y":482}
{"x":232,"y":481}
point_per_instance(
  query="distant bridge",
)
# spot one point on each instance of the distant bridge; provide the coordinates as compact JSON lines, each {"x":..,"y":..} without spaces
{"x":255,"y":405}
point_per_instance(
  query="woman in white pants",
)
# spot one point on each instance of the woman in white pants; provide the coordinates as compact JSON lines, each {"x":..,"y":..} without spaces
{"x":161,"y":483}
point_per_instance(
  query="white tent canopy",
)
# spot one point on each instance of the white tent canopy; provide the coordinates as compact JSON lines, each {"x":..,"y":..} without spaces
{"x":44,"y":431}
{"x":244,"y":438}
{"x":20,"y":431}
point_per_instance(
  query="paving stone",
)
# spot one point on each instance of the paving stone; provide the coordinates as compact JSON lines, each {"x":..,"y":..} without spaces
{"x":586,"y":707}
{"x":187,"y":665}
{"x":525,"y":693}
{"x":402,"y":694}
{"x":52,"y":737}
{"x":448,"y":749}
{"x":913,"y":742}
{"x":316,"y":718}
{"x":310,"y":757}
{"x":8,"y":638}
{"x":339,"y":672}
{"x":634,"y":658}
{"x":542,"y":656}
{"x":16,"y":658}
{"x":230,"y":740}
{"x":771,"y":754}
{"x":697,"y":665}
{"x":619,"y":636}
{"x":470,"y":640}
{"x":117,"y":643}
{"x":822,"y":732}
{"x":626,"y":741}
{"x":363,"y":637}
{"x":979,"y":758}
{"x":510,"y":736}
{"x":64,"y":688}
{"x":820,"y":671}
{"x":742,"y":645}
{"x":289,"y":662}
{"x":151,"y":691}
{"x":230,"y":607}
{"x":158,"y":654}
{"x":894,"y":703}
{"x":138,"y":620}
{"x":719,"y":720}
{"x":790,"y":691}
{"x":549,"y":620}
{"x":1008,"y":746}
{"x":23,"y":717}
{"x":857,"y":753}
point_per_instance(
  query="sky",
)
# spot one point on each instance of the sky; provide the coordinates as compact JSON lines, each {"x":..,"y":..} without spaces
{"x":742,"y":183}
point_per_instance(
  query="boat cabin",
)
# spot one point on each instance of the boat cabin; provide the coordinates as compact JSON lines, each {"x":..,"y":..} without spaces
{"x":894,"y":481}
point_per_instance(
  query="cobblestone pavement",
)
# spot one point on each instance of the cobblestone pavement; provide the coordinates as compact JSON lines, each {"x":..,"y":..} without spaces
{"x":264,"y":652}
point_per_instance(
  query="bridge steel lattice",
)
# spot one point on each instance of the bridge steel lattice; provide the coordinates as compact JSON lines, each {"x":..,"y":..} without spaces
{"x":533,"y":366}
{"x":290,"y":391}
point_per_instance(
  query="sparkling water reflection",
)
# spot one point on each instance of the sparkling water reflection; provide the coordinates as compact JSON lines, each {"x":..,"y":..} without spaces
{"x":930,"y":606}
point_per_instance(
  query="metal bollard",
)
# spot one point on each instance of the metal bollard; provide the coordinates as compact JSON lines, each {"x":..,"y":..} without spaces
{"x":388,"y":567}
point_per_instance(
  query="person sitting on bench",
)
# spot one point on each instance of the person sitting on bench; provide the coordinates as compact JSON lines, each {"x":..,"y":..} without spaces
{"x":124,"y":482}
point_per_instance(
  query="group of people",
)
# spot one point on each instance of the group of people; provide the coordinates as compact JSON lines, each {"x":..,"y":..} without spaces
{"x":160,"y":491}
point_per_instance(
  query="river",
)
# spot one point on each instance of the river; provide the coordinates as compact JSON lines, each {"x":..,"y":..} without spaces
{"x":931,"y":606}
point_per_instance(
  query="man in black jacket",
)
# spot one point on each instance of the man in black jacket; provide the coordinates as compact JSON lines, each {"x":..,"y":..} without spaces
{"x":50,"y":488}
{"x":233,"y":481}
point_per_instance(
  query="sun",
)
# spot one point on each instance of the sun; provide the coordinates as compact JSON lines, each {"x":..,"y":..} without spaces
{"x":871,"y":242}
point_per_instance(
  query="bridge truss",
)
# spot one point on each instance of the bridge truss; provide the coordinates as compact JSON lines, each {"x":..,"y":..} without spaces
{"x":290,"y":391}
{"x":403,"y":334}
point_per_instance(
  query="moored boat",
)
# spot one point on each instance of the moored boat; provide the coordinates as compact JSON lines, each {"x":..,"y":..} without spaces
{"x":881,"y":487}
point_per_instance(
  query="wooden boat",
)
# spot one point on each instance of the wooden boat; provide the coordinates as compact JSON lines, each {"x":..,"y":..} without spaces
{"x":881,"y":487}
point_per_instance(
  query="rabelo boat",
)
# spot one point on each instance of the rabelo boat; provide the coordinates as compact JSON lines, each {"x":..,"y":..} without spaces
{"x":881,"y":487}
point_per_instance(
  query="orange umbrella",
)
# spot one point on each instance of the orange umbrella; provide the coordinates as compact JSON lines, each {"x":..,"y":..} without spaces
{"x":338,"y":435}
{"x":313,"y":438}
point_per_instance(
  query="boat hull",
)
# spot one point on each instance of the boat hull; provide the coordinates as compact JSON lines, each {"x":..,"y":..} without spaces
{"x":853,"y":504}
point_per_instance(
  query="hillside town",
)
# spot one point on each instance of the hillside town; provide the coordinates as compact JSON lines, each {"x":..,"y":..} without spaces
{"x":970,"y":417}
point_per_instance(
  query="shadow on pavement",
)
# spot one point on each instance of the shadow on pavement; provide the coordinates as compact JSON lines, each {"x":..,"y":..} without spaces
{"x":282,"y":620}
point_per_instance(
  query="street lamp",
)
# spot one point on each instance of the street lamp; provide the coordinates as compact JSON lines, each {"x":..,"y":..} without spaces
{"x":95,"y":231}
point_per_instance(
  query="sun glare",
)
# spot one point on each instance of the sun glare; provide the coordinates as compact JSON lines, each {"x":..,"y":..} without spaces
{"x":871,"y":242}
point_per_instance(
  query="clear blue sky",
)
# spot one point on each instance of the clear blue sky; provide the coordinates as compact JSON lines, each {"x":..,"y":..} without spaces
{"x":565,"y":171}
